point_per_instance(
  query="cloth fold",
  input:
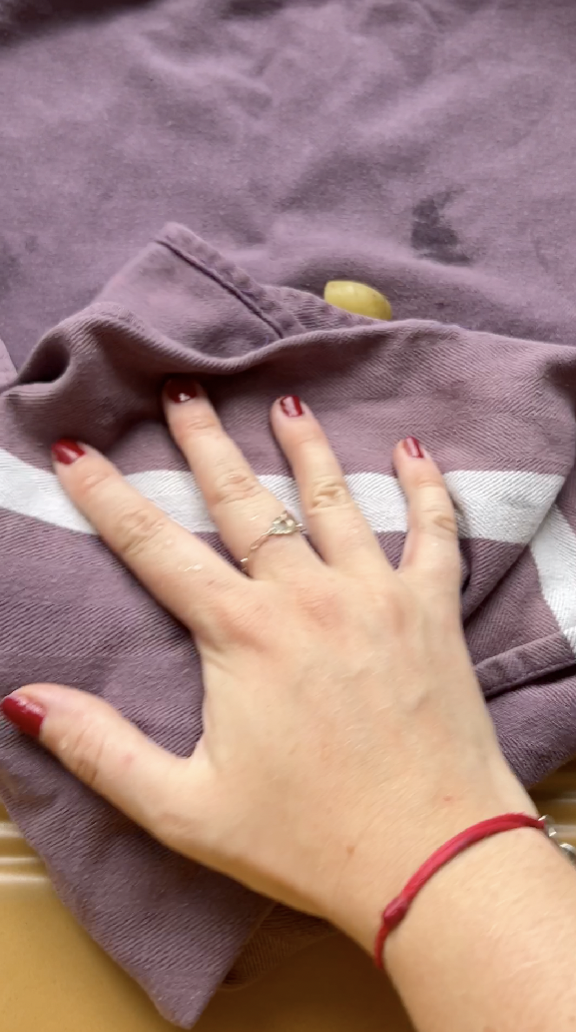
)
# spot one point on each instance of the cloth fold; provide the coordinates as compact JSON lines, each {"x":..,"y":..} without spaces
{"x":497,"y":413}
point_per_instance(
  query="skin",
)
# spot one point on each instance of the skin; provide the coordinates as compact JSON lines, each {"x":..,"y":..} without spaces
{"x":345,"y":735}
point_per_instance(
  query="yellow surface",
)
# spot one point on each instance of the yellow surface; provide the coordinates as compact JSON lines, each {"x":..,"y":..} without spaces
{"x":357,"y":298}
{"x":54,"y":979}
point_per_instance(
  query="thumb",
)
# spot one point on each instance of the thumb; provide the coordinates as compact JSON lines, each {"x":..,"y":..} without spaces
{"x":102,"y":749}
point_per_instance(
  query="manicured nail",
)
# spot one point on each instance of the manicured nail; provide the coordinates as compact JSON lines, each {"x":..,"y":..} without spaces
{"x":413,"y":448}
{"x":180,"y":389}
{"x":66,"y":451}
{"x":26,"y":716}
{"x":291,"y":406}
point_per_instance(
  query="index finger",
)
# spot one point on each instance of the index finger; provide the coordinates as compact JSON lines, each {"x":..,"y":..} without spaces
{"x":183,"y":573}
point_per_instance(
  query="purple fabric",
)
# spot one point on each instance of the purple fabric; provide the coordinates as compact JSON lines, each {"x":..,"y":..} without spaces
{"x":426,"y":149}
{"x":498,"y":414}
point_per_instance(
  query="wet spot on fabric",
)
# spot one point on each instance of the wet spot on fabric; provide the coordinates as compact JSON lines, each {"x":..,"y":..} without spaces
{"x":433,"y":236}
{"x":248,"y":9}
{"x":19,"y":18}
{"x":10,"y":266}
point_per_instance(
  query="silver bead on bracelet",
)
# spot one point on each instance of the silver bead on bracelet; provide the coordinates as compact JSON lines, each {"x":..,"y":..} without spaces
{"x":568,"y":850}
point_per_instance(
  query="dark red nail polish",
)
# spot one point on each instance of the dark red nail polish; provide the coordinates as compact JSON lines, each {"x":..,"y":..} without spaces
{"x":67,"y":451}
{"x":291,"y":406}
{"x":182,"y":388}
{"x":413,"y":448}
{"x":26,"y":716}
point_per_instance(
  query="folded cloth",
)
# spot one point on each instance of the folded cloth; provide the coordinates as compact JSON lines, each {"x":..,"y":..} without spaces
{"x":497,"y":413}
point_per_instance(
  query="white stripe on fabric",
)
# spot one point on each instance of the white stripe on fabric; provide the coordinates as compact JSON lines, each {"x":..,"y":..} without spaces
{"x":502,"y":505}
{"x":34,"y":492}
{"x":494,"y":505}
{"x":554,"y":552}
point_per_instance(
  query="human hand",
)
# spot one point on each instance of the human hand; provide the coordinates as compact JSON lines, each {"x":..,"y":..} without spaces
{"x":345,"y":735}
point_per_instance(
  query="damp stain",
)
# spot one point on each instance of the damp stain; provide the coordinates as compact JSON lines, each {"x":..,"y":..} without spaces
{"x":433,"y":235}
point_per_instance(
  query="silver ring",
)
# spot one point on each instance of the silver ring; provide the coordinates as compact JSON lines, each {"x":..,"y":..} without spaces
{"x":283,"y":526}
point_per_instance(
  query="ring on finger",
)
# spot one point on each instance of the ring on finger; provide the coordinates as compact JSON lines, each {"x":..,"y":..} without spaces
{"x":283,"y":526}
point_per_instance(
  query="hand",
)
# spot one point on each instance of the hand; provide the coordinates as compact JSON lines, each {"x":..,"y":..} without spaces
{"x":345,"y":736}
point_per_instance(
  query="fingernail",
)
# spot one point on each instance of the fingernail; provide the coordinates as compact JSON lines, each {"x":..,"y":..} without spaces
{"x":26,"y":716}
{"x":413,"y":448}
{"x":66,"y":451}
{"x":291,"y":406}
{"x":184,"y":388}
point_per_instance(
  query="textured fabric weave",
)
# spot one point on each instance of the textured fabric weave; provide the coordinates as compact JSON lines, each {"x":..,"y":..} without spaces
{"x":498,"y":413}
{"x":424,"y":148}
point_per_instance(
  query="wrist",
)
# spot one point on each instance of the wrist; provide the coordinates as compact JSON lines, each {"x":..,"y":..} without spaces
{"x":481,"y":929}
{"x":383,"y":862}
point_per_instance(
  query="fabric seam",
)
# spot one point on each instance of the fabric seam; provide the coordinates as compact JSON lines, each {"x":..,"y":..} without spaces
{"x":494,"y":691}
{"x":237,"y":292}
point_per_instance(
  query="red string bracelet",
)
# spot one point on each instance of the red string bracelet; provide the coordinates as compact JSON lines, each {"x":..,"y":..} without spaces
{"x":396,"y":910}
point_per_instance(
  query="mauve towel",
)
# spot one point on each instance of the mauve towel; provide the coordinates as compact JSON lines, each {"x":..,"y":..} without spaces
{"x":498,"y":413}
{"x":425,"y":148}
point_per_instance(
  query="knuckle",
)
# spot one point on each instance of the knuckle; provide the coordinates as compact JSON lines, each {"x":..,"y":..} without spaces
{"x":430,"y":480}
{"x":328,"y":492}
{"x":325,"y":608}
{"x":232,"y":485}
{"x":309,"y":436}
{"x":197,"y":420}
{"x":172,"y":826}
{"x":440,"y":520}
{"x":91,"y":482}
{"x":136,"y":529}
{"x":394,"y":612}
{"x":240,"y":616}
{"x":434,"y":510}
{"x":82,"y":753}
{"x":250,"y":624}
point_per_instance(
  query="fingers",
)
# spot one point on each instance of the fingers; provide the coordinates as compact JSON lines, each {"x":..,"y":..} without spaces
{"x":240,"y":506}
{"x":186,"y":576}
{"x":431,"y":546}
{"x":104,"y":751}
{"x":335,"y":524}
